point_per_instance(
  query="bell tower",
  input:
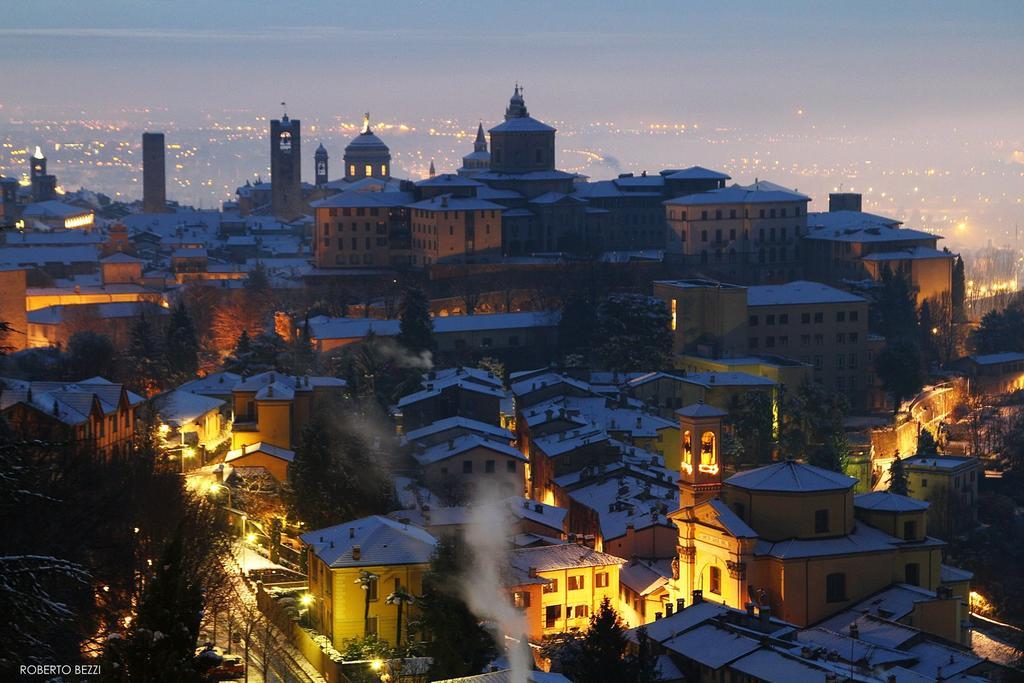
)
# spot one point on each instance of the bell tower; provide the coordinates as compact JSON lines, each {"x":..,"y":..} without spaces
{"x":700,"y":466}
{"x":320,"y":160}
{"x":286,"y":168}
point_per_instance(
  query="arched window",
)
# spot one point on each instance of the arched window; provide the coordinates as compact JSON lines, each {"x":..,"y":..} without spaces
{"x":383,"y":169}
{"x":686,"y":464}
{"x":368,"y":171}
{"x":285,"y":142}
{"x":351,"y":169}
{"x":708,"y":453}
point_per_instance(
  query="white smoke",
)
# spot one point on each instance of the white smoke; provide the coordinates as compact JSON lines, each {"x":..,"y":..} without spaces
{"x":390,"y":349}
{"x":483,"y":589}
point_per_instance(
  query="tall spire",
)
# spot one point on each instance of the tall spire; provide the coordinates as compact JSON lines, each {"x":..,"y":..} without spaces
{"x":431,"y":172}
{"x":366,"y":123}
{"x":38,"y":154}
{"x":480,"y":144}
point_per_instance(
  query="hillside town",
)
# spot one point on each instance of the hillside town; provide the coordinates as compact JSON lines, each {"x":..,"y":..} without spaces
{"x":503,"y":423}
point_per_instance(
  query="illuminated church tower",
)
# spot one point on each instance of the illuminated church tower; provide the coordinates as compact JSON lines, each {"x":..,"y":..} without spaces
{"x":285,"y":168}
{"x":700,"y":467}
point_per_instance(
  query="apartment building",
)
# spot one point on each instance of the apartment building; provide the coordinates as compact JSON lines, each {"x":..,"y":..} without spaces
{"x":811,"y":323}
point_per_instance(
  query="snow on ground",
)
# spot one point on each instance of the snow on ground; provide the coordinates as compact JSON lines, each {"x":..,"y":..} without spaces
{"x":248,"y":559}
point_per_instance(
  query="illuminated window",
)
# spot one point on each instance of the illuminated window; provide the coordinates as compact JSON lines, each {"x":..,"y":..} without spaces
{"x":383,"y":169}
{"x":351,"y":169}
{"x":673,"y":314}
{"x":715,"y":580}
{"x":368,"y":170}
{"x":521,"y":599}
{"x":576,"y":583}
{"x":551,"y":587}
{"x":601,"y":580}
{"x":708,"y":453}
{"x":687,"y":461}
{"x":286,"y":142}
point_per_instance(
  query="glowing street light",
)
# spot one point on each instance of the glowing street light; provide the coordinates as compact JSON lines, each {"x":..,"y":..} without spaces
{"x":306,"y":599}
{"x":250,"y":537}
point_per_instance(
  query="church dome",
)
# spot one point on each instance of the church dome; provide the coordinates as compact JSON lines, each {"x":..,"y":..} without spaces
{"x":367,"y":140}
{"x":367,"y":156}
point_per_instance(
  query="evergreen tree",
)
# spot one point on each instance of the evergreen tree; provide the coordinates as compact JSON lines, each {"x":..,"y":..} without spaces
{"x":834,"y":453}
{"x":959,"y":290}
{"x":750,"y":415}
{"x":1001,"y":331}
{"x":899,"y":367}
{"x":603,"y":648}
{"x":633,"y":334}
{"x":238,"y":361}
{"x":182,"y":345}
{"x":90,"y":354}
{"x":416,"y":329}
{"x":455,"y":639}
{"x":895,"y":309}
{"x":146,"y":356}
{"x":576,"y":327}
{"x":926,"y":445}
{"x":898,"y":480}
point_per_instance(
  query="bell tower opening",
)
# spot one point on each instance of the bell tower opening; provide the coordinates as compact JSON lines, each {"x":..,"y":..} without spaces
{"x":700,"y":472}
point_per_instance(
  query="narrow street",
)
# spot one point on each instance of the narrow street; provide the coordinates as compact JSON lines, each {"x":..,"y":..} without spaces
{"x":285,"y":664}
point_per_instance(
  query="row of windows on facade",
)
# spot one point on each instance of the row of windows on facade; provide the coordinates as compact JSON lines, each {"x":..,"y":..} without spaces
{"x":485,"y":213}
{"x":489,"y":467}
{"x":805,"y":340}
{"x":768,"y":236}
{"x":368,"y":242}
{"x":382,"y":227}
{"x":805,"y":318}
{"x":367,"y":169}
{"x":429,"y":229}
{"x":720,"y":213}
{"x":769,"y":256}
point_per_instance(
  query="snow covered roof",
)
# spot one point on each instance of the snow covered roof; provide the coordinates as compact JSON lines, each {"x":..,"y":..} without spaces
{"x":434,"y":388}
{"x":798,"y":292}
{"x":997,"y":358}
{"x":447,"y":202}
{"x":459,"y":445}
{"x":642,"y":578}
{"x":121,"y":257}
{"x":365,"y":141}
{"x":863,"y":539}
{"x":69,"y":402}
{"x":260,"y":447}
{"x":522,"y":124}
{"x":910,"y":253}
{"x":732,"y":522}
{"x":179,"y":407}
{"x":41,"y":256}
{"x":380,"y":541}
{"x":449,"y":180}
{"x":550,"y":516}
{"x":711,"y":646}
{"x":791,"y":476}
{"x":54,"y":208}
{"x":217,"y":383}
{"x":292,"y":382}
{"x":941,"y":462}
{"x":54,"y":315}
{"x":527,"y":177}
{"x":53,"y":238}
{"x":738,"y":195}
{"x":462,"y":424}
{"x":950,"y":574}
{"x":555,"y":197}
{"x":557,"y":557}
{"x":884,"y":501}
{"x":697,"y":173}
{"x":701,"y":409}
{"x":354,"y":199}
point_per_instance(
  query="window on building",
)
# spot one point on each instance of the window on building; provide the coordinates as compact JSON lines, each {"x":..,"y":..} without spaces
{"x":601,"y":580}
{"x":576,"y":583}
{"x":910,"y":530}
{"x":351,"y":170}
{"x":840,"y":316}
{"x":510,"y":466}
{"x":835,"y":588}
{"x":753,"y":321}
{"x":805,"y":318}
{"x":715,"y":580}
{"x":703,"y":215}
{"x":552,"y":613}
{"x":819,"y":317}
{"x":821,"y":521}
{"x":489,"y":467}
{"x":912,"y":573}
{"x":551,"y":587}
{"x":368,"y":170}
{"x":521,"y":599}
{"x":924,"y":483}
{"x":372,"y":588}
{"x":467,"y":467}
{"x":582,"y":611}
{"x":703,"y":235}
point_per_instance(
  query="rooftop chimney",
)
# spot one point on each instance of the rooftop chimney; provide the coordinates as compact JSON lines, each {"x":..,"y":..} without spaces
{"x":698,"y":596}
{"x":356,"y":552}
{"x":854,"y":630}
{"x":680,"y":604}
{"x":668,"y":609}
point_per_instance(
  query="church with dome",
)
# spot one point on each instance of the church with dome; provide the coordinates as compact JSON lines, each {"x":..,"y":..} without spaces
{"x":367,"y":156}
{"x":794,"y":539}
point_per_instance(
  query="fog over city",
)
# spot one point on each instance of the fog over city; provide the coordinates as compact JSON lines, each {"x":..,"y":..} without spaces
{"x":921,"y":112}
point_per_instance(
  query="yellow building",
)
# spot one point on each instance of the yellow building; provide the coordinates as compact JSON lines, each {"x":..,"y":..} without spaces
{"x":192,"y":419}
{"x":790,"y":534}
{"x":354,"y":567}
{"x":950,"y":484}
{"x":271,"y":458}
{"x":273,"y":407}
{"x":558,"y":587}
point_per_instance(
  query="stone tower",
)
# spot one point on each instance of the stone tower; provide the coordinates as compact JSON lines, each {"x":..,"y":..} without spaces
{"x":285,"y":168}
{"x":44,"y":185}
{"x":154,"y":181}
{"x":320,"y":163}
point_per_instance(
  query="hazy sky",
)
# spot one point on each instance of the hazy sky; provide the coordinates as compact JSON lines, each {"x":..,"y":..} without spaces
{"x":921,"y":101}
{"x":735,"y":63}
